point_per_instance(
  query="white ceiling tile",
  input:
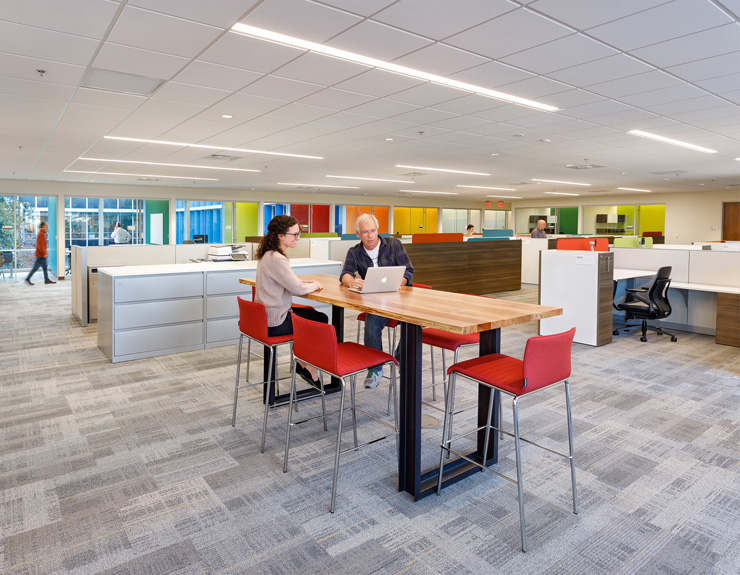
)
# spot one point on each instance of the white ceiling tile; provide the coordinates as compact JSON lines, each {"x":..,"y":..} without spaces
{"x":181,"y":109}
{"x":62,"y":16}
{"x":503,"y":36}
{"x":143,"y":29}
{"x":708,"y":68}
{"x":140,"y":62}
{"x":100,"y":112}
{"x":250,"y":106}
{"x":193,"y":130}
{"x":674,"y":109}
{"x":507,"y":113}
{"x":733,"y":96}
{"x":378,"y":83}
{"x":426,"y":95}
{"x":635,"y":84}
{"x":239,"y":51}
{"x":364,"y":8}
{"x":596,"y":109}
{"x":44,"y":44}
{"x":706,"y":44}
{"x":428,"y":116}
{"x":189,"y":94}
{"x":492,"y":75}
{"x":383,"y":108}
{"x":302,"y":112}
{"x":565,"y":52}
{"x":320,"y":69}
{"x":282,"y":88}
{"x":470,"y":104}
{"x":25,"y":68}
{"x":599,"y":71}
{"x":663,"y":96}
{"x":629,"y":116}
{"x":438,"y":19}
{"x":16,"y":102}
{"x":346,"y":120}
{"x":571,"y":98}
{"x":441,"y":60}
{"x":36,"y":89}
{"x":584,"y":14}
{"x":660,"y":23}
{"x":456,"y":123}
{"x":290,"y":17}
{"x":108,"y":99}
{"x":224,"y":13}
{"x":721,"y":84}
{"x":378,"y":41}
{"x":538,"y":87}
{"x":336,"y":99}
{"x":210,"y":75}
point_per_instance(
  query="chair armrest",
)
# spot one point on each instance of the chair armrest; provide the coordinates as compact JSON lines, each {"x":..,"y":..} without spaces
{"x":637,"y":290}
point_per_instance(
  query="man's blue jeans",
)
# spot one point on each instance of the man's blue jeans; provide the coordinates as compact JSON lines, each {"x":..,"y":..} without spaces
{"x":39,"y":263}
{"x":374,"y":325}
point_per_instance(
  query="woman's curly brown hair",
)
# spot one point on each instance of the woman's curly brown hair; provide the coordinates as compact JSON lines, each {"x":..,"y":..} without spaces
{"x":270,"y":241}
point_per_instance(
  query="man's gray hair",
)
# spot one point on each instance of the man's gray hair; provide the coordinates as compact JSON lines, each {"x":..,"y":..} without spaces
{"x":363,"y":218}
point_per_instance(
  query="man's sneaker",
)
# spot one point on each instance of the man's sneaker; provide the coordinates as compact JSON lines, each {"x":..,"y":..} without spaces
{"x":50,"y":282}
{"x":373,"y":379}
{"x":29,"y":282}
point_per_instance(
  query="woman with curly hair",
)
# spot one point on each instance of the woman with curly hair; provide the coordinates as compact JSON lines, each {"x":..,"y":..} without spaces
{"x":277,"y":283}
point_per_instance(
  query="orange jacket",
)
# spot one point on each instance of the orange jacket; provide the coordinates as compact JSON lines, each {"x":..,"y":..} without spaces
{"x":42,"y":250}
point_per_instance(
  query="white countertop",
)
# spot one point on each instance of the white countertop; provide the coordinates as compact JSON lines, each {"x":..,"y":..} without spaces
{"x":121,"y":271}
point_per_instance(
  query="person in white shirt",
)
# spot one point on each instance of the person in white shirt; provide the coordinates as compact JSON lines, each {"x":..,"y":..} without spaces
{"x":120,"y":235}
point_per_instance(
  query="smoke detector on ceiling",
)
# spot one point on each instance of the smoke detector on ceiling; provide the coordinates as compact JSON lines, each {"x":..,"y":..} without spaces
{"x":582,"y":166}
{"x":220,"y":158}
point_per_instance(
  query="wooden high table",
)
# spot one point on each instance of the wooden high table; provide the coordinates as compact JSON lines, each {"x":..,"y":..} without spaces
{"x":417,"y":308}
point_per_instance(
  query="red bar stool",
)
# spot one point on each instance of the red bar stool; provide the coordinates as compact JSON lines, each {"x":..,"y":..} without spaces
{"x":253,"y":326}
{"x":546,"y":362}
{"x":316,"y":344}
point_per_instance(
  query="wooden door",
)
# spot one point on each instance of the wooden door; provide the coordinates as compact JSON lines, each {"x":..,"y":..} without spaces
{"x":731,"y":221}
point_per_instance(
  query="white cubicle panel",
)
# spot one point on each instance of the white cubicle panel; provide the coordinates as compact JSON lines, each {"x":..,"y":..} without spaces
{"x":531,"y":248}
{"x":338,"y":249}
{"x":652,"y":259}
{"x":715,"y":267}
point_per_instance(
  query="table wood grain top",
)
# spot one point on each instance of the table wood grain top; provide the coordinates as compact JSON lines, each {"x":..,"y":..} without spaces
{"x":454,"y":312}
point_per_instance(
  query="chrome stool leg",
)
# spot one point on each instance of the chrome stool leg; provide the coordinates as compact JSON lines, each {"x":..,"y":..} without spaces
{"x":238,"y":369}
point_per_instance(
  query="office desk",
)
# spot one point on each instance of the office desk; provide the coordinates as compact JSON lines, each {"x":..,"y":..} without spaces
{"x":417,"y":308}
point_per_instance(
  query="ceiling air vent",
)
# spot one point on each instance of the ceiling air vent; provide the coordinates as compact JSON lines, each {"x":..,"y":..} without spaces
{"x":111,"y":81}
{"x":148,"y":179}
{"x":220,"y":158}
{"x":582,"y":166}
{"x":668,"y":172}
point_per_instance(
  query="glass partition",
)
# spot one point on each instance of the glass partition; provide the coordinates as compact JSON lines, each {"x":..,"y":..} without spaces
{"x":609,"y":220}
{"x":20,"y":218}
{"x":345,"y":217}
{"x":559,"y":220}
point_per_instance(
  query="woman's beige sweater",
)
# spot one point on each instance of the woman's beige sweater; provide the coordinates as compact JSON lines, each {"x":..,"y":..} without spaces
{"x":276,"y":286}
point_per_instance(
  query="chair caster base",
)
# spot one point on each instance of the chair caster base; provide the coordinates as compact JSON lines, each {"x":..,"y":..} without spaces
{"x":643,"y":339}
{"x":674,"y":338}
{"x":615,"y":332}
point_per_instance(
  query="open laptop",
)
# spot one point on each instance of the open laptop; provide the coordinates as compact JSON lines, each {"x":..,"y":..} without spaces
{"x":382,"y":279}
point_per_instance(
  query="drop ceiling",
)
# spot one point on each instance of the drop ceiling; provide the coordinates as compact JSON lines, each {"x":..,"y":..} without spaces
{"x":666,"y":67}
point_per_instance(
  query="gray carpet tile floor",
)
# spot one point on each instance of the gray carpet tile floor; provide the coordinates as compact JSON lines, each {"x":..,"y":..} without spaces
{"x":134,"y":468}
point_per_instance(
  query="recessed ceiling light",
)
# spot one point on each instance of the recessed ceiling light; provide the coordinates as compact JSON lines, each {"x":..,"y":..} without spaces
{"x":671,"y":141}
{"x":561,"y":194}
{"x":427,"y":192}
{"x":189,"y":145}
{"x":317,"y":185}
{"x":441,"y":170}
{"x":487,"y":188}
{"x":372,"y":179}
{"x":635,"y":189}
{"x":559,"y":182}
{"x":170,"y":165}
{"x":510,"y":197}
{"x":494,"y":154}
{"x":226,"y":116}
{"x":389,"y":139}
{"x":263,"y":34}
{"x":140,"y":175}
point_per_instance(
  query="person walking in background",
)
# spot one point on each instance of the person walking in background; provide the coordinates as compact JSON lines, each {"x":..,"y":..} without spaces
{"x":42,"y":255}
{"x":120,"y":235}
{"x":539,"y":231}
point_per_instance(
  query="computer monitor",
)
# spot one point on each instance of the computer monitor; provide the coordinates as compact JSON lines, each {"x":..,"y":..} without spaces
{"x":200,"y":238}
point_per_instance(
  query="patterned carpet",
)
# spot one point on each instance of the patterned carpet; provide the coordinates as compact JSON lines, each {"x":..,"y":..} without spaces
{"x":134,"y":468}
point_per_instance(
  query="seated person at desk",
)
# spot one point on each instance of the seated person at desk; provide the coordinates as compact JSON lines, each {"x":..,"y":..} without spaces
{"x":120,"y":235}
{"x":539,"y":231}
{"x":373,"y":251}
{"x":277,"y":283}
{"x":469,"y":231}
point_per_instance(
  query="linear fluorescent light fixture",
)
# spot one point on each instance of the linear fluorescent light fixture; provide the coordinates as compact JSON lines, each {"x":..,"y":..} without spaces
{"x":559,"y":182}
{"x":487,"y":188}
{"x":634,"y":190}
{"x":189,"y":145}
{"x":170,"y":165}
{"x":508,"y":197}
{"x":428,"y":192}
{"x":285,"y":40}
{"x":441,"y":170}
{"x":317,"y":185}
{"x":561,"y":194}
{"x":671,"y":141}
{"x":371,"y":179}
{"x":140,"y":175}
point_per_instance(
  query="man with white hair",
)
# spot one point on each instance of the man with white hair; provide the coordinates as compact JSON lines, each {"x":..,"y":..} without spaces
{"x":373,"y":251}
{"x":539,"y":231}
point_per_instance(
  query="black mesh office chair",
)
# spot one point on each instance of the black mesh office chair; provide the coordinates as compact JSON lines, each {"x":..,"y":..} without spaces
{"x":648,"y":303}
